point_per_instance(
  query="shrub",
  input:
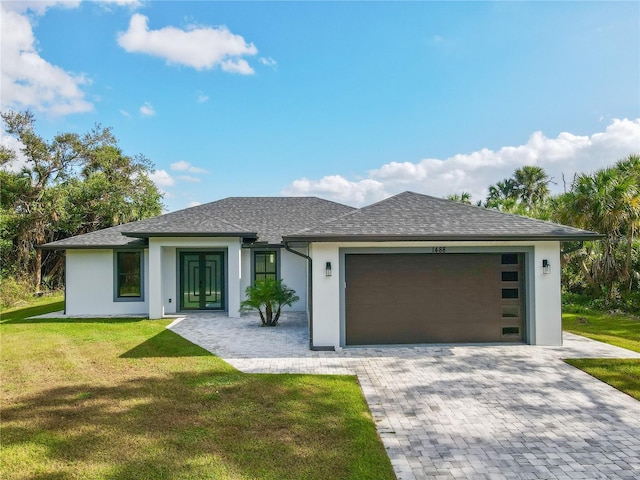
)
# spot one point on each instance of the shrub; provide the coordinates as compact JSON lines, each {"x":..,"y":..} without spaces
{"x":13,"y":292}
{"x":268,"y":297}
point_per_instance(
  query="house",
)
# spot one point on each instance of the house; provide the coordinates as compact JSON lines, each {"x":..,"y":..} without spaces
{"x":410,"y":269}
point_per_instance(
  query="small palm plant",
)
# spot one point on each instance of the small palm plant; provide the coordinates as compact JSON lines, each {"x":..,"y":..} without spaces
{"x":268,"y":297}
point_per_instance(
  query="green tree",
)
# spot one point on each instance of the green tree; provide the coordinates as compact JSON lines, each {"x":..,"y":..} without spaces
{"x":267,"y":297}
{"x":608,"y":202}
{"x":503,"y":195}
{"x":531,"y":185}
{"x":70,"y":185}
{"x":527,"y":190}
{"x":464,"y":197}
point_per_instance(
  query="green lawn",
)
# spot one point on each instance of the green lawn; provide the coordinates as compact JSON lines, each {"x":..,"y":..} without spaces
{"x":37,"y":306}
{"x":620,"y":330}
{"x":128,"y":399}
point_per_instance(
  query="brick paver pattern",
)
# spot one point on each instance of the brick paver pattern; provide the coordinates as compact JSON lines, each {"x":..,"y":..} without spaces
{"x":459,"y":411}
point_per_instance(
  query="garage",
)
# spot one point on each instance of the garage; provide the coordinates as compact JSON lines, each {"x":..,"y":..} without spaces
{"x":439,"y":297}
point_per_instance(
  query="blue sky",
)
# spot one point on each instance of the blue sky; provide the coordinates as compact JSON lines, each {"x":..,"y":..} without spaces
{"x":351,"y":101}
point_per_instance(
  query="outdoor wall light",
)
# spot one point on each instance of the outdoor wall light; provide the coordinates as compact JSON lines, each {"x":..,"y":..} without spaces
{"x":546,"y":266}
{"x":328,"y":269}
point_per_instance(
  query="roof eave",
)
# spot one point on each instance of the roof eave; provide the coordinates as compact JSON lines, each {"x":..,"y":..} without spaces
{"x":190,"y":234}
{"x":93,"y":246}
{"x":442,"y":238}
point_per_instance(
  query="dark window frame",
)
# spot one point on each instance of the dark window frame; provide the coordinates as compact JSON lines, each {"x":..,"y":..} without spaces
{"x":117,"y":276}
{"x":254,"y":263}
{"x":510,"y":276}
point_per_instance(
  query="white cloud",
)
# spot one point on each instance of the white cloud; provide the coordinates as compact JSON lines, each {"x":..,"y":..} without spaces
{"x":39,"y":6}
{"x":124,"y":113}
{"x":202,"y":48}
{"x":121,"y":3}
{"x":147,"y":110}
{"x":474,"y":172}
{"x":182,"y":166}
{"x":162,"y":178}
{"x":194,"y":203}
{"x":202,"y":97}
{"x":28,"y":80}
{"x":268,"y":61}
{"x":189,"y":178}
{"x":16,"y":146}
{"x":238,"y":65}
{"x":340,"y":189}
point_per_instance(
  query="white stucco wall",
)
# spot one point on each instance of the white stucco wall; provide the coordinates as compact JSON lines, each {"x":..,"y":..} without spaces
{"x":90,"y":285}
{"x":170,"y":294}
{"x":163,"y":271}
{"x":245,"y":274}
{"x":543,"y":294}
{"x":90,"y":277}
{"x":293,"y":271}
{"x":326,"y":294}
{"x":548,"y":295}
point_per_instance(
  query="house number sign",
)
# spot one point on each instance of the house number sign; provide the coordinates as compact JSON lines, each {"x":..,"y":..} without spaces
{"x":438,"y":249}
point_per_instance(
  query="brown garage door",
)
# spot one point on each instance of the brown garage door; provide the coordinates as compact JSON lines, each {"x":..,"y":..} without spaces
{"x":433,"y":298}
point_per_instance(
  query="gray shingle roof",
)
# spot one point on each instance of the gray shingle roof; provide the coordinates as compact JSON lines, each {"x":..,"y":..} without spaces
{"x":412,"y":216}
{"x":267,"y":218}
{"x":106,"y":238}
{"x":406,"y":216}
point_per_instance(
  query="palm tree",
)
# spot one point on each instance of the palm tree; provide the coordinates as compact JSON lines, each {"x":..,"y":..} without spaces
{"x":502,"y":195}
{"x":531,"y":185}
{"x":267,"y":297}
{"x":464,"y":197}
{"x":607,"y":201}
{"x":630,"y":168}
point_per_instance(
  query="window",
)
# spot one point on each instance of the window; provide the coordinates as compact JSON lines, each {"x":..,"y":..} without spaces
{"x":265,"y":265}
{"x":128,"y":281}
{"x":510,"y":276}
{"x":509,"y":293}
{"x":510,"y":331}
{"x":509,"y":259}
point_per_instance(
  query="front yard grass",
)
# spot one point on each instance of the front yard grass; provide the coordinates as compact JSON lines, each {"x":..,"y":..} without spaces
{"x":620,"y":330}
{"x":128,"y":399}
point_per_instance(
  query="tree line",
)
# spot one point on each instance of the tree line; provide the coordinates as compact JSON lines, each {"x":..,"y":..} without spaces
{"x":75,"y":184}
{"x":606,"y":201}
{"x":70,"y":185}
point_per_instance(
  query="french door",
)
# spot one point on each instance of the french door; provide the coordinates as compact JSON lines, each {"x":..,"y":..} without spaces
{"x":202,"y":281}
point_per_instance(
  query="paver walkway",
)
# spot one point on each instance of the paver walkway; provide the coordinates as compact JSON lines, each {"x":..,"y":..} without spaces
{"x":472,"y":412}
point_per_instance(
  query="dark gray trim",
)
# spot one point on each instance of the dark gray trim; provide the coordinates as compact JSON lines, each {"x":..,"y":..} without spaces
{"x":309,"y":292}
{"x":252,"y":261}
{"x":323,"y":349}
{"x":248,"y":235}
{"x":225,"y":255}
{"x":135,"y":245}
{"x":116,"y":274}
{"x":259,"y":245}
{"x":439,"y":238}
{"x":529,"y":275}
{"x":65,"y":282}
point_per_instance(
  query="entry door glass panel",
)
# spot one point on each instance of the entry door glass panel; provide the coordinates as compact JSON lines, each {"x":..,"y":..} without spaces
{"x":202,"y":279}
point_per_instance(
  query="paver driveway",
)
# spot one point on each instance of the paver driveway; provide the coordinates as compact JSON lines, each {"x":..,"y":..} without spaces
{"x":475,"y":412}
